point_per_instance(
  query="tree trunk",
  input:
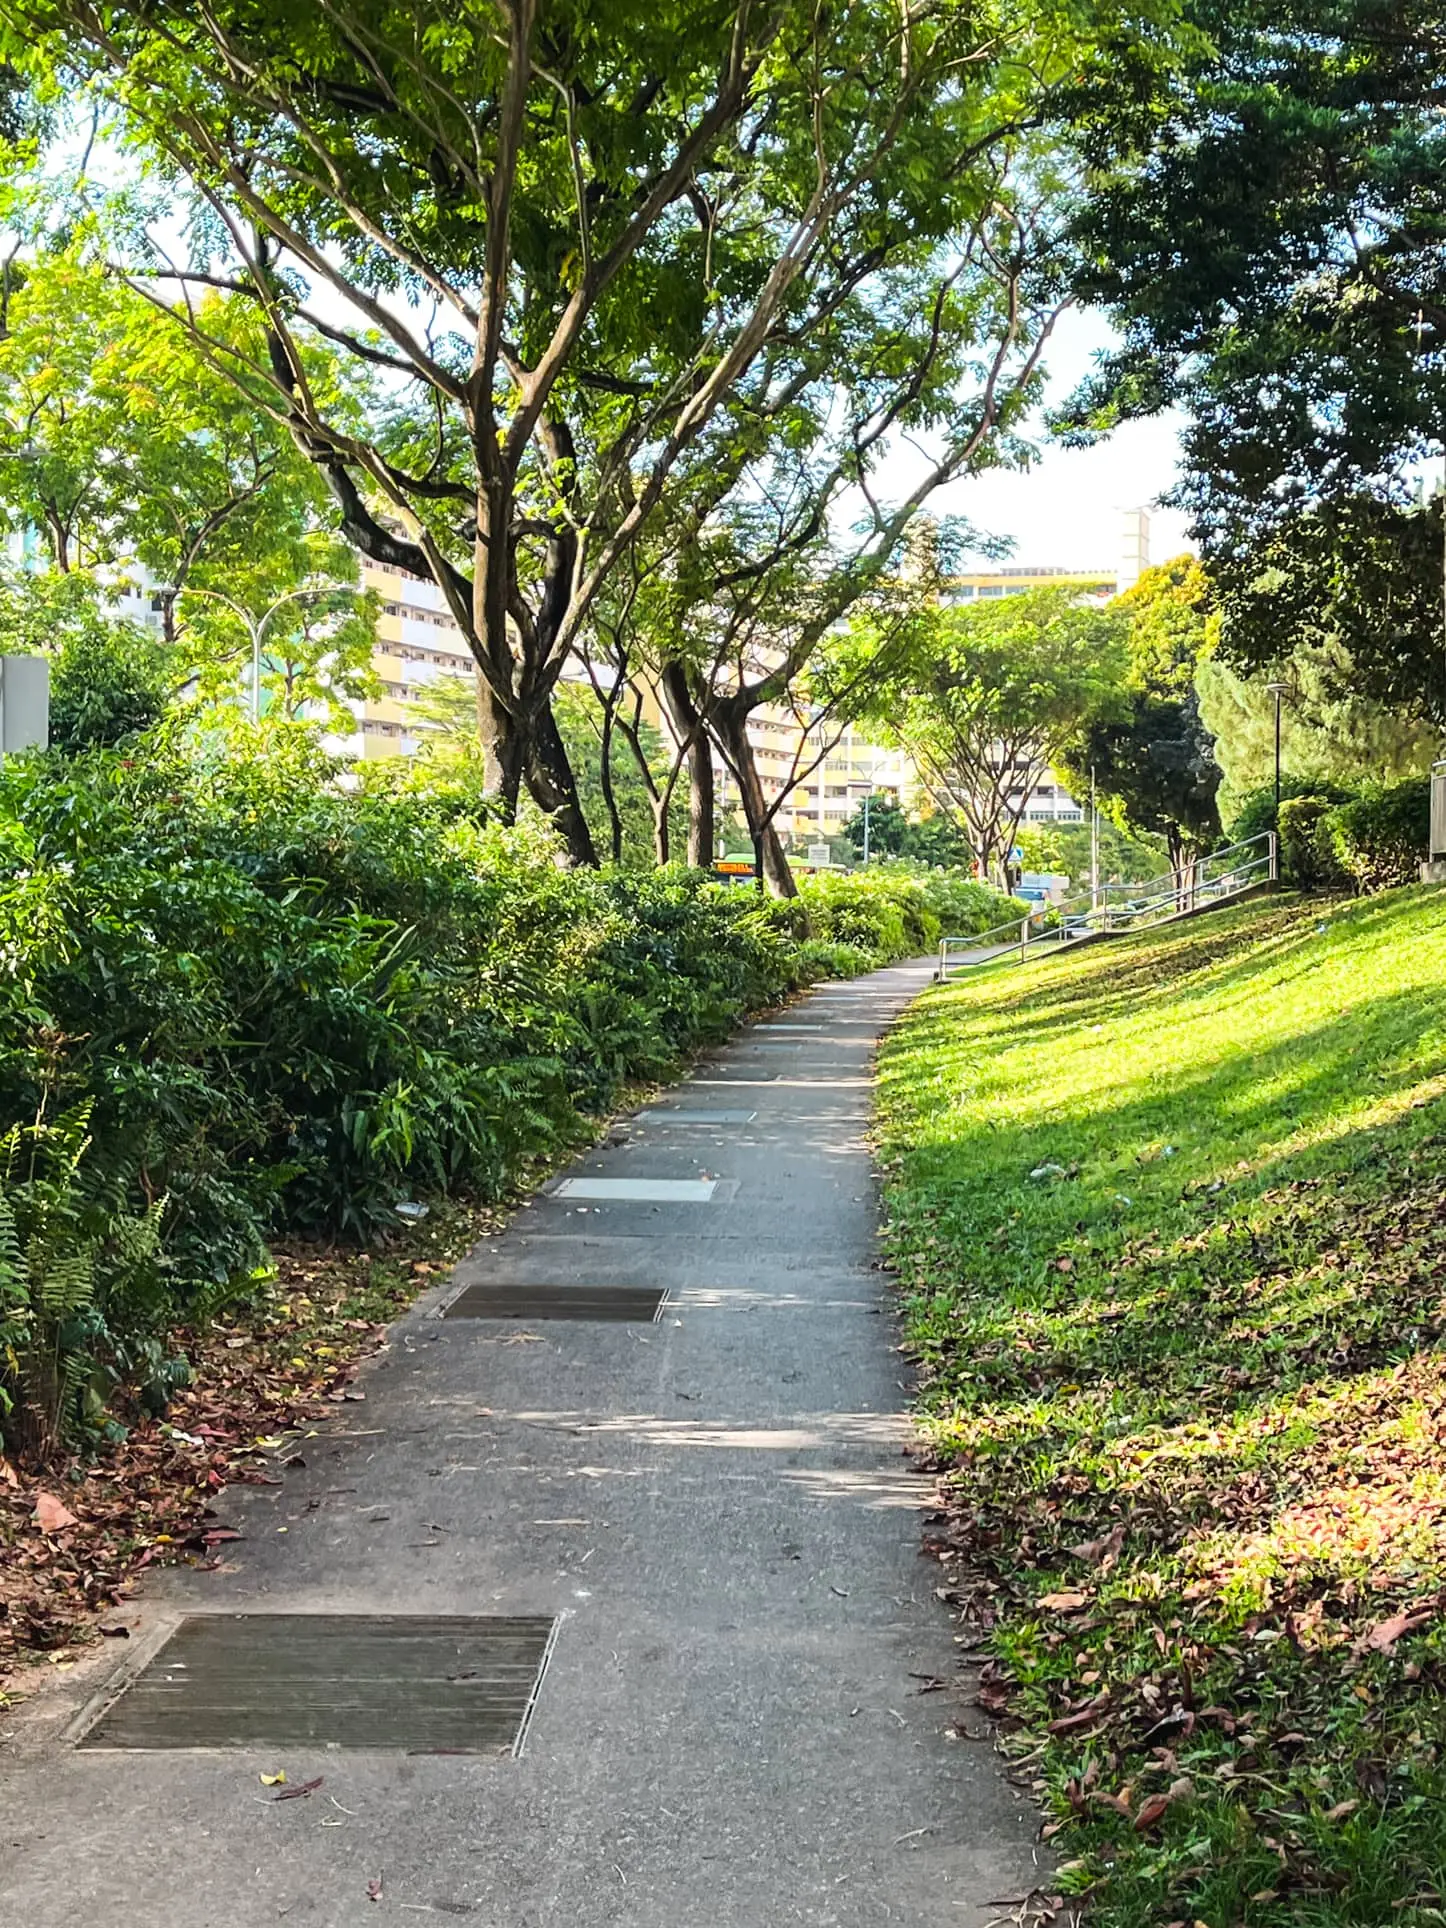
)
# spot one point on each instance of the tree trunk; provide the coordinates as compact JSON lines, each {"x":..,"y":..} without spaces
{"x":553,"y":785}
{"x":605,"y":777}
{"x":702,"y":827}
{"x":688,"y":726}
{"x":770,"y":858}
{"x":502,"y":756}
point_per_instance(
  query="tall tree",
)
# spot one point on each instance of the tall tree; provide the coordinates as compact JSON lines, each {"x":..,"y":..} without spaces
{"x":1272,"y":252}
{"x":1332,"y":732}
{"x":985,"y":700}
{"x":586,"y":241}
{"x":1153,"y":762}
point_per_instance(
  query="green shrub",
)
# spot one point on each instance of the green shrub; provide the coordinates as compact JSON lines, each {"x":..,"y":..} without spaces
{"x":818,"y":957}
{"x":1257,"y":808}
{"x":287,"y":1006}
{"x":1381,"y":838}
{"x":1307,"y":851}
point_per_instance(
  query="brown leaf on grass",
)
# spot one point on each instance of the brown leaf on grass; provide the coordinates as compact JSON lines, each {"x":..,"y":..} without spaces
{"x":1067,"y":1723}
{"x":1119,"y":1802}
{"x":1067,"y":1602}
{"x":52,"y":1515}
{"x":1384,"y":1635}
{"x":1151,"y":1812}
{"x":1105,"y":1550}
{"x":1341,"y":1810}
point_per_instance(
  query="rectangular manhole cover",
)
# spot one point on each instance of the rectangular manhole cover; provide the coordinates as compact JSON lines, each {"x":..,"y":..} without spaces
{"x":639,"y":1191}
{"x":681,"y":1115}
{"x":643,"y":1303}
{"x":444,"y":1685}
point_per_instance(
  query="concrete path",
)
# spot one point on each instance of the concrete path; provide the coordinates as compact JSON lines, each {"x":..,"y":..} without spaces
{"x":731,"y":1732}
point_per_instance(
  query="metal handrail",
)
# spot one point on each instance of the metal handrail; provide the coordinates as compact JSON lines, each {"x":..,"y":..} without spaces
{"x":1076,"y":919}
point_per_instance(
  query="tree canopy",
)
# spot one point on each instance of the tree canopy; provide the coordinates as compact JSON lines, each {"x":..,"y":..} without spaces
{"x":1152,"y":760}
{"x":986,"y":699}
{"x":591,"y":249}
{"x":1273,"y":251}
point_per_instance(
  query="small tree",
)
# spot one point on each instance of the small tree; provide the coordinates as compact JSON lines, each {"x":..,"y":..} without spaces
{"x":986,"y":699}
{"x":1153,"y":763}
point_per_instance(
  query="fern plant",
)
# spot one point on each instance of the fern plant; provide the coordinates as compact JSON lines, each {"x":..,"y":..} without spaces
{"x":56,"y":1246}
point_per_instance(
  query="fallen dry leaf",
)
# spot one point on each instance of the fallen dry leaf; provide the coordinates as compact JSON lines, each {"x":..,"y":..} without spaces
{"x":1064,"y":1602}
{"x":300,"y":1791}
{"x":1106,"y":1548}
{"x":1384,"y":1635}
{"x":1151,"y":1812}
{"x":51,"y":1515}
{"x":1341,"y":1810}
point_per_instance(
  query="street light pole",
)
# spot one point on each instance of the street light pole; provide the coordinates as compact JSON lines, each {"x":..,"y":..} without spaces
{"x":1277,"y":690}
{"x":256,"y":628}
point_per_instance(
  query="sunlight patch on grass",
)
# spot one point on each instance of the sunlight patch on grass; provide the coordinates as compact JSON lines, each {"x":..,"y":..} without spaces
{"x":1169,"y":1218}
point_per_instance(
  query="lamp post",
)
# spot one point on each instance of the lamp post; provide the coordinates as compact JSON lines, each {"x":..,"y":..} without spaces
{"x":1277,"y":690}
{"x":256,"y":627}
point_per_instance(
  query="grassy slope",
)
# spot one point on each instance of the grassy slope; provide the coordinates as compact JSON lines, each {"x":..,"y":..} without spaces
{"x":1206,"y":1355}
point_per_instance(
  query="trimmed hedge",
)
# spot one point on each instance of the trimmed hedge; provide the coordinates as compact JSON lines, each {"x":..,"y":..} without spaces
{"x":1371,"y":841}
{"x":1382,"y":837}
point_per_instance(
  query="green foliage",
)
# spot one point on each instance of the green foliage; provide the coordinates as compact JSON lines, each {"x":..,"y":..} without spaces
{"x":1169,"y":1220}
{"x":1332,"y":733}
{"x":1307,"y":849}
{"x":1382,"y":837}
{"x":893,"y":832}
{"x":1271,"y":253}
{"x":1153,"y":760}
{"x":985,"y":699}
{"x":281,"y":1004}
{"x":1066,"y":848}
{"x":1256,"y":810}
{"x":108,"y":679}
{"x":69,"y":1261}
{"x":887,"y":913}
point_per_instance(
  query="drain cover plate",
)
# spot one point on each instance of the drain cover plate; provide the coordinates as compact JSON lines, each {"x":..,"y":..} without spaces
{"x":447,"y":1684}
{"x":681,"y":1115}
{"x":642,"y":1303}
{"x":639,"y":1191}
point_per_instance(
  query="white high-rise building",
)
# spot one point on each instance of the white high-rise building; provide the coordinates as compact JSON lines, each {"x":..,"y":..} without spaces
{"x":1135,"y":555}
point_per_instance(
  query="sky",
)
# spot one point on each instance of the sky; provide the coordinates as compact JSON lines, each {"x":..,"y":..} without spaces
{"x":1067,"y":511}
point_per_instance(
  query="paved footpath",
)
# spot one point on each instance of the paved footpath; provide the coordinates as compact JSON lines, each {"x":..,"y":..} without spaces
{"x":718,"y":1508}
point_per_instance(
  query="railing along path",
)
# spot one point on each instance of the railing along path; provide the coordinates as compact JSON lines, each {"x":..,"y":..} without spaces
{"x":1117,"y":908}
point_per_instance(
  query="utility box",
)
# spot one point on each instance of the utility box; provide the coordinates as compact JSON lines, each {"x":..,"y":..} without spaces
{"x":24,"y":703}
{"x":1434,"y":870}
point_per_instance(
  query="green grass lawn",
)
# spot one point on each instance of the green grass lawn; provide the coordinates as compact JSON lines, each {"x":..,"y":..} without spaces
{"x":1170,"y":1221}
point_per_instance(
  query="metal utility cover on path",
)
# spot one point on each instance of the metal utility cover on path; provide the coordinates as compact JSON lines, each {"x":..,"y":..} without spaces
{"x":662,"y":1115}
{"x":641,"y":1303}
{"x":640,"y":1191}
{"x":423,"y":1684}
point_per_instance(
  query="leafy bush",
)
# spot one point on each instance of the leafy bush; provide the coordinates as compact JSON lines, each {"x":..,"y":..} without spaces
{"x":890,"y":912}
{"x":283,"y":1005}
{"x":1257,"y":808}
{"x":1307,"y":851}
{"x":1381,"y":838}
{"x":66,"y":1262}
